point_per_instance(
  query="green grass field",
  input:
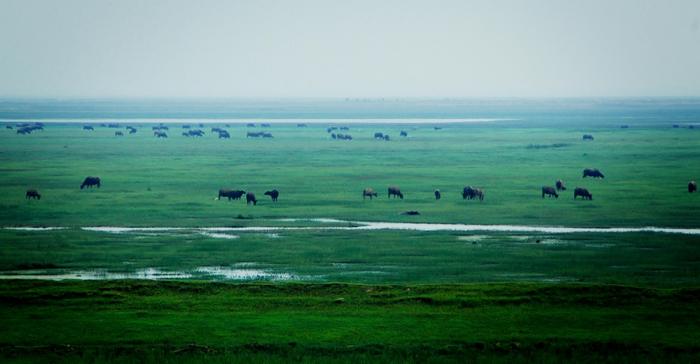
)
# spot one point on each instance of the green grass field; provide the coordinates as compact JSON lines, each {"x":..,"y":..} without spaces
{"x":350,"y":296}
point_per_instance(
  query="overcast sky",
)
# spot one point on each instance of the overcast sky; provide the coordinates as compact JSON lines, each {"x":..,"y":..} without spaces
{"x":325,"y":48}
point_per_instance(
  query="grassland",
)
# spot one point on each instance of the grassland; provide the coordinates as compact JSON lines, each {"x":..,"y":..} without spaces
{"x":360,"y":296}
{"x":132,"y":321}
{"x":174,"y":182}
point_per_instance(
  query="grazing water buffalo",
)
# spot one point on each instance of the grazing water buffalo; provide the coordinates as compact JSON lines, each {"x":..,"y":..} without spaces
{"x":265,"y":125}
{"x":32,"y":194}
{"x":250,"y":197}
{"x":91,"y":181}
{"x":411,"y":213}
{"x":386,"y":137}
{"x":344,"y":128}
{"x":132,"y":130}
{"x":343,"y":136}
{"x":395,"y":191}
{"x":8,"y":127}
{"x":560,"y":185}
{"x":438,"y":195}
{"x":230,"y":194}
{"x":579,"y":191}
{"x":549,"y":191}
{"x":624,"y":126}
{"x":88,"y":127}
{"x":472,"y":193}
{"x":118,"y":133}
{"x":223,"y":134}
{"x":591,"y":172}
{"x":378,"y":135}
{"x":368,"y":192}
{"x":587,"y":137}
{"x":301,"y":125}
{"x":692,"y":187}
{"x":403,"y":133}
{"x":160,"y":134}
{"x":273,"y":194}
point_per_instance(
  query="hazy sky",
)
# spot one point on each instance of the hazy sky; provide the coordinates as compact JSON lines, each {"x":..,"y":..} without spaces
{"x":349,"y":48}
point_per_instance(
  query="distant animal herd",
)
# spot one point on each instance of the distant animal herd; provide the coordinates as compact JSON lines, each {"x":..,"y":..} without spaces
{"x":468,"y":192}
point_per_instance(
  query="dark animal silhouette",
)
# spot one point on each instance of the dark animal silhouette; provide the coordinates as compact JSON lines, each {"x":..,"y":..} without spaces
{"x":386,"y":137}
{"x":334,"y":136}
{"x":344,"y":128}
{"x":8,"y":127}
{"x":583,"y":193}
{"x":395,"y":191}
{"x":589,"y":172}
{"x":411,"y":213}
{"x":160,"y":134}
{"x":368,"y":192}
{"x":342,"y":136}
{"x":223,"y":134}
{"x":250,"y":197}
{"x":250,"y":125}
{"x":267,"y":135}
{"x":132,"y":131}
{"x":265,"y":125}
{"x":560,"y":185}
{"x":587,"y":137}
{"x":549,"y":191}
{"x":194,"y":133}
{"x":624,"y":126}
{"x":88,"y":127}
{"x":438,"y":195}
{"x":32,"y":194}
{"x":472,"y":193}
{"x":437,"y":128}
{"x":230,"y":194}
{"x":378,"y":135}
{"x":91,"y":181}
{"x":676,"y":126}
{"x":186,"y":126}
{"x":273,"y":194}
{"x":403,"y":133}
{"x":692,"y":187}
{"x":118,"y":133}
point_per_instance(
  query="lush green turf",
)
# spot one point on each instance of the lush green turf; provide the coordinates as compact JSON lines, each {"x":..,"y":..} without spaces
{"x":174,"y":181}
{"x":659,"y":260}
{"x":551,"y":302}
{"x":521,"y":322}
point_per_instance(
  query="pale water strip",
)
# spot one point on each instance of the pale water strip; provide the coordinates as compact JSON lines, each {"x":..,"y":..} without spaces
{"x":366,"y":225}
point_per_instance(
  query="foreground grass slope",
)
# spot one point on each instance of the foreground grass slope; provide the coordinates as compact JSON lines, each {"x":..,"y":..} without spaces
{"x":159,"y":320}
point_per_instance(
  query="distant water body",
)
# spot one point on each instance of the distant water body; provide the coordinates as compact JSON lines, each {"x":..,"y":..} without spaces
{"x":505,"y":111}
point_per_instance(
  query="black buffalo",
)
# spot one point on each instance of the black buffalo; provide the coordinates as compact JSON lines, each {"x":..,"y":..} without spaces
{"x":395,"y":191}
{"x":118,"y":133}
{"x":273,"y":194}
{"x":692,"y":187}
{"x":403,"y":133}
{"x":250,"y":197}
{"x":88,"y":127}
{"x":32,"y":194}
{"x":91,"y":181}
{"x":438,"y":195}
{"x":472,"y":193}
{"x":560,"y":185}
{"x":549,"y":191}
{"x":230,"y":194}
{"x":590,"y":172}
{"x":378,"y":135}
{"x":587,"y":137}
{"x":368,"y":192}
{"x":583,"y":193}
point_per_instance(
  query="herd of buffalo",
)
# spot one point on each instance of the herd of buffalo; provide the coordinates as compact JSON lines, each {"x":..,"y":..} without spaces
{"x":160,"y":131}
